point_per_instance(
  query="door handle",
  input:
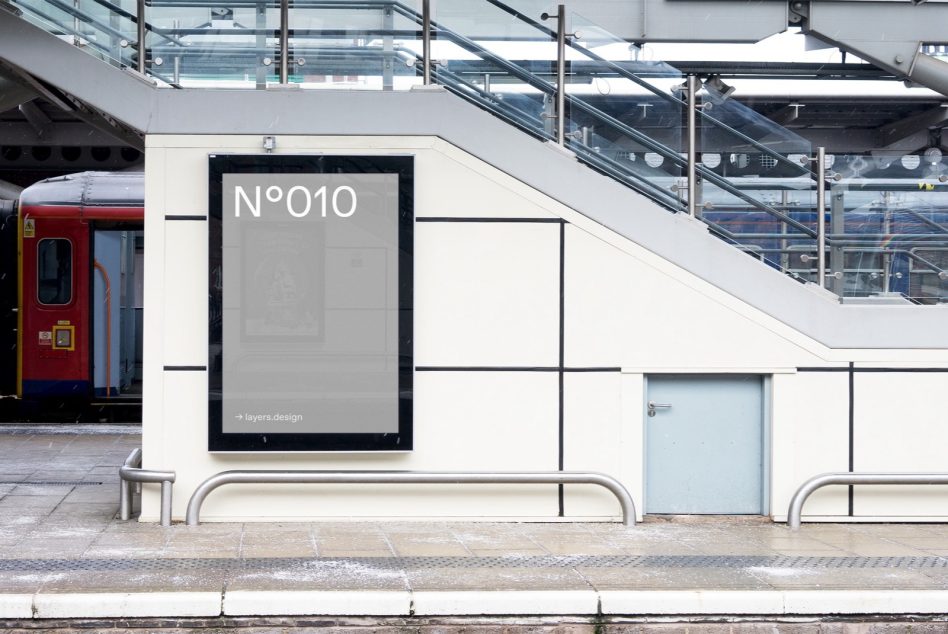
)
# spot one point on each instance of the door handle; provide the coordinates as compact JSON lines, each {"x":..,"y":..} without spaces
{"x":652,"y":406}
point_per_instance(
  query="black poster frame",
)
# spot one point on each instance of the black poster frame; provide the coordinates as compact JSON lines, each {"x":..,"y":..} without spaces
{"x":403,"y":166}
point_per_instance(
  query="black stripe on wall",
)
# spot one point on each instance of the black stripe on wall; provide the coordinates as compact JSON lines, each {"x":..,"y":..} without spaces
{"x":186,"y":218}
{"x":852,"y":422}
{"x":511,"y":368}
{"x":562,"y":345}
{"x":855,"y":369}
{"x":490,"y":220}
{"x":185,"y":368}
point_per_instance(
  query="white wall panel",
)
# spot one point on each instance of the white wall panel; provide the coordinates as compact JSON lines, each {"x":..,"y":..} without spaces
{"x":593,"y":439}
{"x":486,"y":294}
{"x":483,"y":421}
{"x":455,"y":191}
{"x":810,"y":436}
{"x":901,"y":424}
{"x":622,"y":311}
{"x":185,"y":295}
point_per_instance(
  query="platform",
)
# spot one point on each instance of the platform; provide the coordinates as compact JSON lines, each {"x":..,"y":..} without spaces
{"x":65,"y":555}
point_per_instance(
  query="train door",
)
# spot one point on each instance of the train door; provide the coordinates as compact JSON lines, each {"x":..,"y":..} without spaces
{"x":53,"y":340}
{"x":116,"y":312}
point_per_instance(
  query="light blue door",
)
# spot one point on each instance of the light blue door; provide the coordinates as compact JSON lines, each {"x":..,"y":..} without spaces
{"x":704,"y":445}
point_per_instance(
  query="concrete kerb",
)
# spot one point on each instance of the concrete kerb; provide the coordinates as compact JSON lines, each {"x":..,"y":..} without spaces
{"x":587,"y":603}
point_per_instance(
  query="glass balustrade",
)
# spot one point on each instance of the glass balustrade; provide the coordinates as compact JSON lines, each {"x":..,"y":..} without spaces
{"x":885,"y":215}
{"x":887,"y":218}
{"x":106,"y":30}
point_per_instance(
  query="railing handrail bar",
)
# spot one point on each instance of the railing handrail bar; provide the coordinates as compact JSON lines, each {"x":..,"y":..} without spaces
{"x":596,"y":161}
{"x":134,"y":458}
{"x":135,"y":474}
{"x":193,"y":515}
{"x":131,"y":471}
{"x":644,"y":84}
{"x":707,"y":174}
{"x":806,"y":489}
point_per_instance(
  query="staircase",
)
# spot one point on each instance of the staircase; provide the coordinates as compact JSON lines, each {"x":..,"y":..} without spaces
{"x":886,"y":224}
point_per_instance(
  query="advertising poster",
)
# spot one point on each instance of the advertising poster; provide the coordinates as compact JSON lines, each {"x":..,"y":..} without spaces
{"x":310,"y":292}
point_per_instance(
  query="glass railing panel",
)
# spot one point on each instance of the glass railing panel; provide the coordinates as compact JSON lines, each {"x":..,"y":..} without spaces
{"x":193,"y":43}
{"x":106,"y":30}
{"x":773,"y":220}
{"x":362,"y":46}
{"x":623,"y":106}
{"x":888,"y":226}
{"x":487,"y":21}
{"x":498,"y":86}
{"x":510,"y":52}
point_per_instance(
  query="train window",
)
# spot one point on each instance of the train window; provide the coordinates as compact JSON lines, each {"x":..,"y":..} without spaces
{"x":54,"y":273}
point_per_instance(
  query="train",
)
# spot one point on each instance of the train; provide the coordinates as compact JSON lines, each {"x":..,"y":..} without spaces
{"x":71,"y":285}
{"x":72,"y":263}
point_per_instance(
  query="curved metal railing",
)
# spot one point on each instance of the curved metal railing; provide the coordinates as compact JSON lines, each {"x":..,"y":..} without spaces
{"x":795,"y":512}
{"x":193,"y":516}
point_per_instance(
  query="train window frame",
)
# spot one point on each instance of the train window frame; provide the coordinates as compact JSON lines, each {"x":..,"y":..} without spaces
{"x":72,"y":251}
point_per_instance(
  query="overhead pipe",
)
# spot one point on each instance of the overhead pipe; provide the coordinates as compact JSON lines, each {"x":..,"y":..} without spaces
{"x":931,"y":73}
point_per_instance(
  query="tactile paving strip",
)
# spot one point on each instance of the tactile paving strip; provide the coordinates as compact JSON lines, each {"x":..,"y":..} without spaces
{"x":265,"y":564}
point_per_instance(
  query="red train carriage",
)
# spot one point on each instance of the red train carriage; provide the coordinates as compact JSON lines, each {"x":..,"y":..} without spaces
{"x":80,"y":247}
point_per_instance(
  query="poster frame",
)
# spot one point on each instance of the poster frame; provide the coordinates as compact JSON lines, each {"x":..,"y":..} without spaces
{"x":403,"y":166}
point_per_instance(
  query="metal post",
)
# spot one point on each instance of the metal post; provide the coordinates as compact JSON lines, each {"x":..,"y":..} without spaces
{"x":821,"y":216}
{"x":76,"y":25}
{"x":837,"y":267}
{"x":486,"y":82}
{"x":885,"y":256}
{"x":165,"y":503}
{"x":426,"y":40}
{"x":785,"y":208}
{"x":692,"y":85}
{"x":141,"y":36}
{"x":261,"y":44}
{"x":133,"y":460}
{"x":284,"y":41}
{"x":561,"y":74}
{"x":388,"y":49}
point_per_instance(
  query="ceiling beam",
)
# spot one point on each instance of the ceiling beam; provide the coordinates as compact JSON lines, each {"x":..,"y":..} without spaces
{"x":896,"y":131}
{"x":37,"y":119}
{"x":788,"y":114}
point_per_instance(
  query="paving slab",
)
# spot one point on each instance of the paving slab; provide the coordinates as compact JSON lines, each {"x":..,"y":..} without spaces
{"x":64,"y":554}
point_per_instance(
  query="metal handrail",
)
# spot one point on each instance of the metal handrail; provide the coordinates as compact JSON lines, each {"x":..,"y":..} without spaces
{"x":134,"y":460}
{"x":130,"y":472}
{"x":826,"y":479}
{"x":193,"y":516}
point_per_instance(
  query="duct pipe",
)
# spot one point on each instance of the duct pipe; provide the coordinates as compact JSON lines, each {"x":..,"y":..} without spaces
{"x":13,"y":94}
{"x":9,"y":191}
{"x":931,"y":73}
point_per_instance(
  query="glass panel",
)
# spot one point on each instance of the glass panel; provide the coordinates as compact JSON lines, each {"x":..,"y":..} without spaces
{"x":770,"y":219}
{"x":888,"y":226}
{"x":203,"y":44}
{"x":54,"y":271}
{"x":360,"y":47}
{"x":103,"y":28}
{"x":623,"y":111}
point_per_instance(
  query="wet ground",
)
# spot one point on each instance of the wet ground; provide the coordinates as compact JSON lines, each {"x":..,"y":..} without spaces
{"x":64,"y":554}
